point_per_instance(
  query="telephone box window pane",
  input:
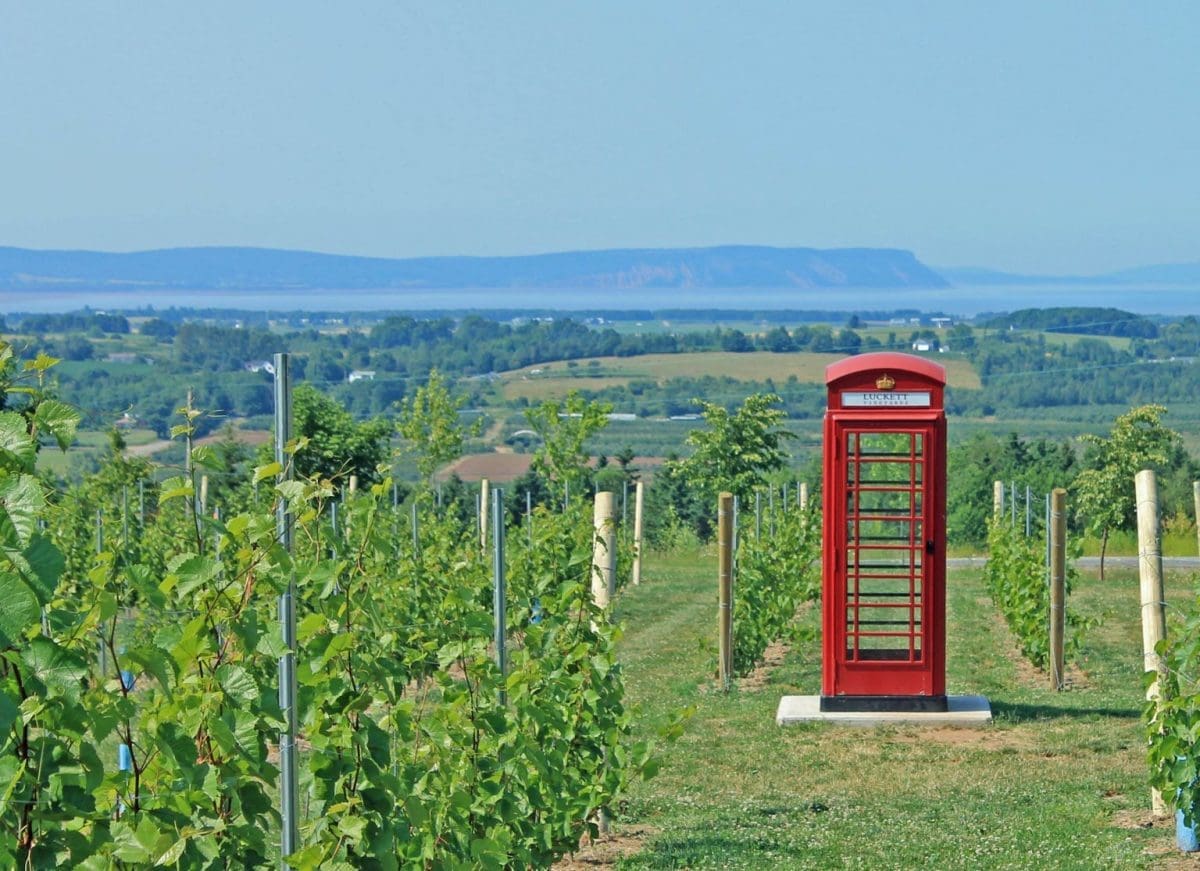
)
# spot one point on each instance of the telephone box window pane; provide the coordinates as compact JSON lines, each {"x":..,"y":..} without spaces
{"x":899,"y":472}
{"x":885,"y":444}
{"x":884,"y":503}
{"x":868,"y":533}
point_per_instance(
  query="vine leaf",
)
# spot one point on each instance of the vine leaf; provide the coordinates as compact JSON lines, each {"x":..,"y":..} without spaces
{"x":17,"y":451}
{"x":19,"y":608}
{"x":238,"y":684}
{"x":58,"y":419}
{"x":55,"y":666}
{"x":20,"y":500}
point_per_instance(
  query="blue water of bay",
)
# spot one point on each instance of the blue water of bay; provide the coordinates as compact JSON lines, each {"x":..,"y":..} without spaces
{"x":961,"y":301}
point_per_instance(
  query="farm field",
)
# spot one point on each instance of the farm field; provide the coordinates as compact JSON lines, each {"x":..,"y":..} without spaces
{"x":1057,"y":781}
{"x":555,"y":379}
{"x":91,"y":444}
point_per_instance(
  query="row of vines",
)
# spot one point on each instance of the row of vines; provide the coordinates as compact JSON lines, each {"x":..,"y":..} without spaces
{"x":1172,"y":716}
{"x":1016,"y":577}
{"x":1017,"y":580}
{"x":139,"y":707}
{"x":775,"y":574}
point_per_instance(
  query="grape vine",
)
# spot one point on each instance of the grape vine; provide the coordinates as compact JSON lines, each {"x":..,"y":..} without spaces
{"x":138,"y":689}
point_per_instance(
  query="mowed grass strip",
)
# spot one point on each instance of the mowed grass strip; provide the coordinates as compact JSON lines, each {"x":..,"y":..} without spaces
{"x":1057,"y":781}
{"x":549,"y":380}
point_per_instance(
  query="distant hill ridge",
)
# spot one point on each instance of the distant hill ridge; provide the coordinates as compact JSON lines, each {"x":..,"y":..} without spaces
{"x":728,"y":266}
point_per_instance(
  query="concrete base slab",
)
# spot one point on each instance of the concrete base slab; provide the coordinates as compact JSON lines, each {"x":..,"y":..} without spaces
{"x":963,"y":711}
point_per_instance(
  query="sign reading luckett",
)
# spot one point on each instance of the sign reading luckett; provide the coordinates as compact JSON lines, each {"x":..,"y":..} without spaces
{"x":886,"y":399}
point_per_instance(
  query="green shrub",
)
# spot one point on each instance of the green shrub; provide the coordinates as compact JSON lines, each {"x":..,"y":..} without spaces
{"x":1015,"y":575}
{"x":1173,"y":719}
{"x":773,"y":576}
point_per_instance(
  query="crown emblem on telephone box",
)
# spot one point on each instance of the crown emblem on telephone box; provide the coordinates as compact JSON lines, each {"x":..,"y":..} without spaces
{"x":885,"y":382}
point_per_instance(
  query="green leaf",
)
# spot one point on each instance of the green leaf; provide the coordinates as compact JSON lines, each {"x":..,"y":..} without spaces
{"x":55,"y":666}
{"x":204,"y":456}
{"x":290,"y":490}
{"x":21,"y":498}
{"x":312,"y":624}
{"x":175,"y":488}
{"x":46,"y":564}
{"x":155,"y":662}
{"x":352,"y":827}
{"x":222,"y":735}
{"x":173,"y":853}
{"x":58,"y":419}
{"x":19,"y":609}
{"x":41,"y":362}
{"x":129,"y":847}
{"x":488,"y":852}
{"x":17,"y":450}
{"x":270,"y":470}
{"x":8,"y":712}
{"x":238,"y":684}
{"x":194,"y":572}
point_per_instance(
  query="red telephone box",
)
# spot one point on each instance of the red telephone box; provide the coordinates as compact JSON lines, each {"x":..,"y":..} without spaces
{"x":884,"y":572}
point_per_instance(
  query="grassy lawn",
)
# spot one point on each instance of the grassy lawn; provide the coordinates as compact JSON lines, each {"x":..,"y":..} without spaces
{"x":1057,"y":781}
{"x":555,"y":379}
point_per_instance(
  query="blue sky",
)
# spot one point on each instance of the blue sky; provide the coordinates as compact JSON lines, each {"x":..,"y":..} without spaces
{"x":1061,"y":137}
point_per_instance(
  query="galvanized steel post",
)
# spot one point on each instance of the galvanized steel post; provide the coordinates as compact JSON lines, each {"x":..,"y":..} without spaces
{"x":498,"y":594}
{"x":288,"y":803}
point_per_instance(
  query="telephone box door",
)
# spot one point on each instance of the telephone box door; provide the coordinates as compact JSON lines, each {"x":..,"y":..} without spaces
{"x":888,"y":603}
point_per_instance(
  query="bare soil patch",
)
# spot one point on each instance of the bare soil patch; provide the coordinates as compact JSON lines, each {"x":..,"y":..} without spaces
{"x":1164,"y":853}
{"x":1029,"y":674}
{"x":606,"y":850}
{"x":773,"y":657}
{"x":953,"y":736}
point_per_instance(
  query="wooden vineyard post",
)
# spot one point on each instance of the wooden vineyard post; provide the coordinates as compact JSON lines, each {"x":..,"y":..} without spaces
{"x":1058,"y":575}
{"x":725,"y":588}
{"x":997,"y":498}
{"x":604,"y":550}
{"x":1196,"y":511}
{"x":638,"y":503}
{"x":483,"y":515}
{"x":604,"y":577}
{"x":1150,"y":573}
{"x":803,"y":495}
{"x":354,"y":483}
{"x":203,"y":494}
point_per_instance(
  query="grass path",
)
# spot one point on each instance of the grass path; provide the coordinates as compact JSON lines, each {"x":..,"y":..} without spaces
{"x":1057,"y":781}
